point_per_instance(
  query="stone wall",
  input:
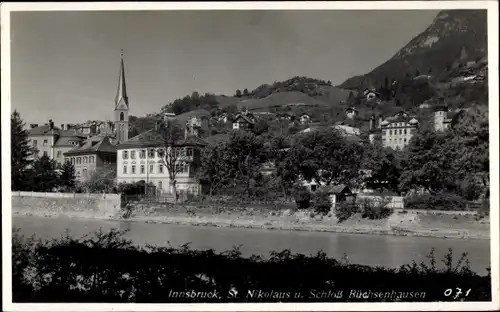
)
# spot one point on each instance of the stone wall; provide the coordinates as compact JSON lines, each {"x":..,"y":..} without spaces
{"x":66,"y":204}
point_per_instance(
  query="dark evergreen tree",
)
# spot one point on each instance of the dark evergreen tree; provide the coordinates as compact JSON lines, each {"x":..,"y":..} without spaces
{"x":20,"y":153}
{"x":238,"y":93}
{"x":68,"y":176}
{"x":245,"y":92}
{"x":45,"y":176}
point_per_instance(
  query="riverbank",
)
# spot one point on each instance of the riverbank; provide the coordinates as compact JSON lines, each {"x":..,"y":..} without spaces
{"x":400,"y":223}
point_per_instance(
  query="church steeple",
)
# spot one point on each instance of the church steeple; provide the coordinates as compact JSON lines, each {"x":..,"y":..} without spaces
{"x":121,"y":106}
{"x":121,"y":98}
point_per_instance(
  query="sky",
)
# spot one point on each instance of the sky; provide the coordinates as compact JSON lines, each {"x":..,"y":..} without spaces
{"x":65,"y":65}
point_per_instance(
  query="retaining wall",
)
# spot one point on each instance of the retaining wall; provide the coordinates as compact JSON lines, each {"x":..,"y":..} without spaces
{"x":66,"y":204}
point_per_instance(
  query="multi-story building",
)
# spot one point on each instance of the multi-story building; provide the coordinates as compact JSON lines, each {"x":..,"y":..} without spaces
{"x":143,"y":158}
{"x":243,"y":120}
{"x":397,"y":130}
{"x":98,"y":152}
{"x":441,"y":120}
{"x":51,"y":141}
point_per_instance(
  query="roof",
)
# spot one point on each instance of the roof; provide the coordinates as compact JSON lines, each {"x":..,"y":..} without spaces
{"x":217,"y":138}
{"x":66,"y":140}
{"x":153,"y":138}
{"x":98,"y":143}
{"x":244,"y":118}
{"x":45,"y":130}
{"x":336,"y":189}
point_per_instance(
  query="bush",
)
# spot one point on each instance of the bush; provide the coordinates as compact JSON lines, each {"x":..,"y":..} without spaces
{"x":302,"y":197}
{"x":442,"y":201}
{"x":375,"y":209}
{"x":345,"y":210}
{"x":87,"y":270}
{"x":322,"y":202}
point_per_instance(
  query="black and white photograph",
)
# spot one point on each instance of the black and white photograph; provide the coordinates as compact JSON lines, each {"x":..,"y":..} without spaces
{"x":250,"y":156}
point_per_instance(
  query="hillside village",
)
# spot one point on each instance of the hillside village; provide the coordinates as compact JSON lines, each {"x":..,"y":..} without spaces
{"x":291,"y":138}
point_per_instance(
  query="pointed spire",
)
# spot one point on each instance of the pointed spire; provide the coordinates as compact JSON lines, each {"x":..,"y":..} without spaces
{"x":121,"y":94}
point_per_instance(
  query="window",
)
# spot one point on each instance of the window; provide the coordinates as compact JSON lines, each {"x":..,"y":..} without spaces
{"x":85,"y":160}
{"x":404,"y":131}
{"x":132,"y":154}
{"x":91,"y":159}
{"x":160,"y":185}
{"x":35,"y":142}
{"x":73,"y":160}
{"x":151,"y":168}
{"x":59,"y":154}
{"x":125,"y":154}
{"x":142,"y":168}
{"x":122,"y":116}
{"x":161,"y":153}
{"x":142,"y":154}
{"x":133,"y":168}
{"x":78,"y":160}
{"x":189,"y":152}
{"x":125,"y":169}
{"x":160,"y":168}
{"x":151,"y":153}
{"x":45,"y":153}
{"x":390,"y":132}
{"x":45,"y":142}
{"x":400,"y":131}
{"x":107,"y":160}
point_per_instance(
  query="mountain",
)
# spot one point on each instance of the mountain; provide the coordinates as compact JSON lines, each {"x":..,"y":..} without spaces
{"x":454,"y":38}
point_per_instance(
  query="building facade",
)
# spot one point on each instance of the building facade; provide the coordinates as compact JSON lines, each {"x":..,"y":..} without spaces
{"x":51,"y":141}
{"x":143,"y":158}
{"x":243,"y":121}
{"x":397,"y":130}
{"x":97,"y":153}
{"x":441,"y":120}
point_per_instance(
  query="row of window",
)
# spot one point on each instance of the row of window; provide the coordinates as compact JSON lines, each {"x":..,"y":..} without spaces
{"x":80,"y":160}
{"x":45,"y":143}
{"x":151,"y":153}
{"x":401,"y":131}
{"x":160,"y":169}
{"x":396,"y":140}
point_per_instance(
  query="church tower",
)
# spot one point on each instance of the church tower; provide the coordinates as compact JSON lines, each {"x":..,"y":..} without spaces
{"x":121,"y":106}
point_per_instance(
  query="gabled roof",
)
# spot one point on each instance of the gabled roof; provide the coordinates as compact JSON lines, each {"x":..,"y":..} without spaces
{"x":244,"y":118}
{"x":66,"y":140}
{"x":153,"y":138}
{"x":43,"y":130}
{"x":336,"y":189}
{"x":98,"y":143}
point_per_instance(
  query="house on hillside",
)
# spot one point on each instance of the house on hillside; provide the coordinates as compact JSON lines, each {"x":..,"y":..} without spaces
{"x":243,"y":121}
{"x":304,"y":118}
{"x":286,"y":116}
{"x":351,"y":112}
{"x":397,"y":130}
{"x":97,"y":152}
{"x":141,"y":159}
{"x":370,"y":94}
{"x":441,"y":120}
{"x":51,"y":141}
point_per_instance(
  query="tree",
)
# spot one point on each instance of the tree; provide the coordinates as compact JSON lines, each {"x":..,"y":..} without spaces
{"x":45,"y":176}
{"x":429,"y":163}
{"x":20,"y":152}
{"x":383,"y":166}
{"x":328,"y":158}
{"x":285,"y":161}
{"x":102,"y":180}
{"x":172,"y":150}
{"x":68,"y":176}
{"x":214,"y":167}
{"x":238,"y":93}
{"x":245,"y":92}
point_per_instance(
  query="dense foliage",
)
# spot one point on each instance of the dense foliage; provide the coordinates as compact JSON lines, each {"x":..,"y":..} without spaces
{"x":20,"y":153}
{"x":107,"y":268}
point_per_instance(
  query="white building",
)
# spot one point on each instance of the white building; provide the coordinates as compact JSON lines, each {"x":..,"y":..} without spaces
{"x":397,"y":130}
{"x":142,"y":158}
{"x":441,"y":120}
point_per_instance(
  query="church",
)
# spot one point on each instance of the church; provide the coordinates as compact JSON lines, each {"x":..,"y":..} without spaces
{"x":98,"y":152}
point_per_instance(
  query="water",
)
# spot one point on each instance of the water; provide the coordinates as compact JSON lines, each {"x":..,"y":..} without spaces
{"x":384,"y":250}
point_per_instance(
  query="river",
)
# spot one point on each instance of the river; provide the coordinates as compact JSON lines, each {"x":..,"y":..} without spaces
{"x":384,"y":250}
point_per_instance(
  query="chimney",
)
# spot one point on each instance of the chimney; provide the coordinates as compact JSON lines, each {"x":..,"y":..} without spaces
{"x":62,"y":126}
{"x":33,"y":126}
{"x":51,"y":124}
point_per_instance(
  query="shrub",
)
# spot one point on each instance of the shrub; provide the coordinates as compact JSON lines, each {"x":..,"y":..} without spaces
{"x":322,"y":202}
{"x":375,"y":209}
{"x":441,"y":201}
{"x":87,"y":270}
{"x":302,"y":197}
{"x":345,"y":210}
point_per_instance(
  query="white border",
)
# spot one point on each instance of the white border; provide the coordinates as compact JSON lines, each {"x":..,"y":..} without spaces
{"x":492,"y":8}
